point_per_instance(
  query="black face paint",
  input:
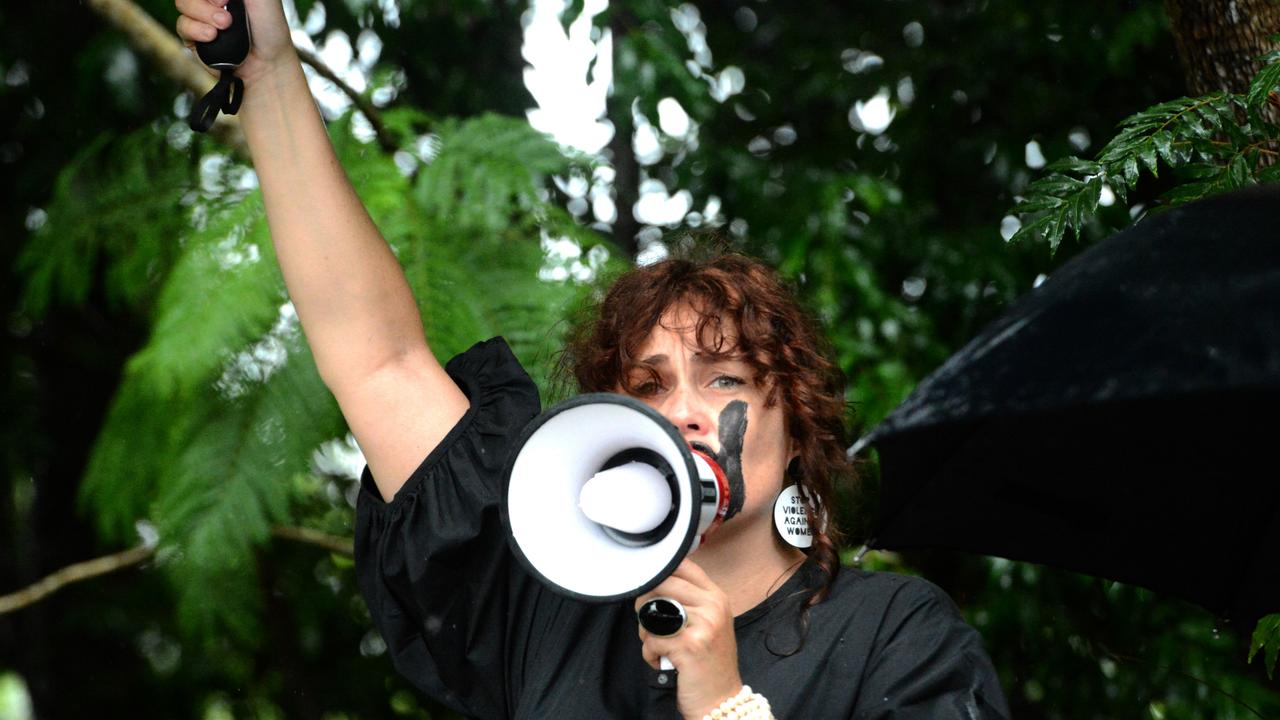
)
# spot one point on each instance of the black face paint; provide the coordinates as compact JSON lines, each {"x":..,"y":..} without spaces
{"x":733,"y":430}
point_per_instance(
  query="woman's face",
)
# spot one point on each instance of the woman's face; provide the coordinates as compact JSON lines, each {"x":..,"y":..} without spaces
{"x":708,"y":400}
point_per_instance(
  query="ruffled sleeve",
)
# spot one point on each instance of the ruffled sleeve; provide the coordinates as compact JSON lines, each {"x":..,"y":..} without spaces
{"x":433,"y":563}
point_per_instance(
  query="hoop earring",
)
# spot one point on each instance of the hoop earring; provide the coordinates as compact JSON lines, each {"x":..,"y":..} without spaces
{"x":790,"y":510}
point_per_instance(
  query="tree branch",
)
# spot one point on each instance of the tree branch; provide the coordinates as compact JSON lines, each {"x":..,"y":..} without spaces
{"x":162,"y":47}
{"x":1189,"y":676}
{"x":107,"y":564}
{"x":332,"y":543}
{"x":74,"y":573}
{"x":158,"y":44}
{"x":362,"y":103}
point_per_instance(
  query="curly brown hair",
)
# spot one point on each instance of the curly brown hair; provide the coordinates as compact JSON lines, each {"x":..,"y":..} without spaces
{"x":773,"y":335}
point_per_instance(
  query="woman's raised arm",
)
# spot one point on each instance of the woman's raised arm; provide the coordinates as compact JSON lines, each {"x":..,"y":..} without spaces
{"x":350,"y":293}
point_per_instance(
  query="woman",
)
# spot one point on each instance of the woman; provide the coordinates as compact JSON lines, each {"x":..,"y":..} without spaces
{"x":708,"y":346}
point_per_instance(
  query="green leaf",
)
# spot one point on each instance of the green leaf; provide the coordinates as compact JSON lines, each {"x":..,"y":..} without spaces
{"x":1131,"y":170}
{"x":1163,"y":142}
{"x":1182,"y":152}
{"x":1267,"y":635}
{"x":1074,"y":166}
{"x":1082,"y":204}
{"x":1147,"y":153}
{"x":1264,"y":83}
{"x":1238,"y":173}
{"x":1198,"y":181}
{"x":1037,"y":203}
{"x":1067,"y":202}
{"x":1121,"y":191}
{"x":1049,"y":226}
{"x":1270,"y":175}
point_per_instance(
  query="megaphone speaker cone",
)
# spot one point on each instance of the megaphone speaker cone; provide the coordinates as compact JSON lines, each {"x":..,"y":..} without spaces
{"x":548,"y":508}
{"x":633,"y":498}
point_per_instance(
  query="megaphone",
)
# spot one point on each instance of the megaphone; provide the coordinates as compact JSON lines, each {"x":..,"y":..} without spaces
{"x":602,"y":498}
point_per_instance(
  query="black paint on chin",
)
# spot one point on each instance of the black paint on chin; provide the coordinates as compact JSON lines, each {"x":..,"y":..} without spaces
{"x":733,"y":430}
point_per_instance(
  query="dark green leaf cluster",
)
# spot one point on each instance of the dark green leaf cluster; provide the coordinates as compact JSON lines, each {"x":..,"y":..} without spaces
{"x":113,"y":204}
{"x":1212,"y":144}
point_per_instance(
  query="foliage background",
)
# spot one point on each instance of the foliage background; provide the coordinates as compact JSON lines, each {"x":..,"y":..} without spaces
{"x":154,"y":374}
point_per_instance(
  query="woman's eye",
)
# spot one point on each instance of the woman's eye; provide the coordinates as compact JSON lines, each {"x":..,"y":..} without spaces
{"x":648,"y":387}
{"x":726,"y":382}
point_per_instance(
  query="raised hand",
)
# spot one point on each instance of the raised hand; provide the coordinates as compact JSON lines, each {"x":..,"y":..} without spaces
{"x":200,"y":20}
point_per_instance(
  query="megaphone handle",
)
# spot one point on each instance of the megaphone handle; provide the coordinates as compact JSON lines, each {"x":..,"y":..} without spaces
{"x":665,"y":677}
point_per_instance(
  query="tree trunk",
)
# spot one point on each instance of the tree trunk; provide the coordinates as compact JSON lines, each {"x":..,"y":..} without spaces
{"x":626,"y":180}
{"x":1219,"y":41}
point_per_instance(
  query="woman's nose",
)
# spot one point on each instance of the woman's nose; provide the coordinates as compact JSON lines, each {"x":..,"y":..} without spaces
{"x":689,"y":412}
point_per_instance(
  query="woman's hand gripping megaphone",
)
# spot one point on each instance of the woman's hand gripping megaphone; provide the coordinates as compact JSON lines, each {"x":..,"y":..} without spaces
{"x":700,"y":638}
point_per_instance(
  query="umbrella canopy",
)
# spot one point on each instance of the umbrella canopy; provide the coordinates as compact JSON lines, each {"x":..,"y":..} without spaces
{"x":1122,"y":419}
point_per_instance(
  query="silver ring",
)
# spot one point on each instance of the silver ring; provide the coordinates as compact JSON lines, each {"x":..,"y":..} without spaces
{"x":662,"y":617}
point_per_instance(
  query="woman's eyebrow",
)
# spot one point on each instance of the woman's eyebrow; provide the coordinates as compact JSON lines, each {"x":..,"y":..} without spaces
{"x":698,"y":357}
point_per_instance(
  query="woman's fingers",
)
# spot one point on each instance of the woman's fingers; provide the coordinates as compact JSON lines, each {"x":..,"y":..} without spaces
{"x":200,"y":20}
{"x":678,"y":589}
{"x":192,"y":31}
{"x":705,"y":650}
{"x":206,"y":11}
{"x":650,"y":657}
{"x":706,"y":608}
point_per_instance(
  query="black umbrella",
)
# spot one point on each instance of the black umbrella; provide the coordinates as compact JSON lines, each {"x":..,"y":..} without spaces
{"x":1122,"y":419}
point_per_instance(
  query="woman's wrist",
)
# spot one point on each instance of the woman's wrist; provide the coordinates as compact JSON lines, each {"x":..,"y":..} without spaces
{"x":743,"y":705}
{"x":273,"y":94}
{"x":285,"y":67}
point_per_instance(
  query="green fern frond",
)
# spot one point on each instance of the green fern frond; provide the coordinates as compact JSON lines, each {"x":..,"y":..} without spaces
{"x":231,"y":483}
{"x":214,"y":470}
{"x":489,"y":171}
{"x":1204,"y":179}
{"x":1267,"y":81}
{"x":223,"y":293}
{"x":115,"y":201}
{"x":132,"y":456}
{"x":1200,"y":138}
{"x":471,"y":241}
{"x":1064,"y":203}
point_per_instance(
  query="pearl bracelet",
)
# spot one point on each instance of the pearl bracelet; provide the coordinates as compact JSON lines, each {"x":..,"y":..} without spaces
{"x":745,"y":705}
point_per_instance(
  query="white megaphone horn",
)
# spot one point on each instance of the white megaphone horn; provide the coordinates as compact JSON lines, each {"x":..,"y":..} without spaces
{"x":602,"y":498}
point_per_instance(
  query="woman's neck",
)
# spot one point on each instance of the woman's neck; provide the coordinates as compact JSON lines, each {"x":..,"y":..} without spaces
{"x":747,"y":563}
